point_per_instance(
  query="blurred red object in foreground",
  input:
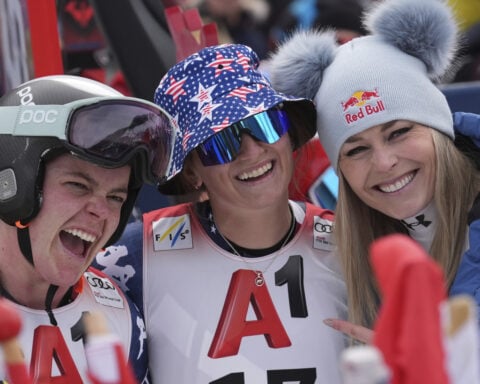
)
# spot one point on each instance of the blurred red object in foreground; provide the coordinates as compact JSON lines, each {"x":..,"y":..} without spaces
{"x":10,"y":325}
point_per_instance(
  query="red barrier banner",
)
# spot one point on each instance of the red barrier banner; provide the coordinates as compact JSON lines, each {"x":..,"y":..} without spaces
{"x":29,"y":42}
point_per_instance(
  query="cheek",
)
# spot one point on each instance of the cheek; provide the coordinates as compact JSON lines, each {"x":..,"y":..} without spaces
{"x":356,"y":178}
{"x":284,"y":147}
{"x":55,"y":199}
{"x":116,"y":219}
{"x":353,"y":173}
{"x":211,"y":176}
{"x":42,"y":238}
{"x":432,"y":171}
{"x":291,"y":169}
{"x":425,"y":155}
{"x":113,"y":221}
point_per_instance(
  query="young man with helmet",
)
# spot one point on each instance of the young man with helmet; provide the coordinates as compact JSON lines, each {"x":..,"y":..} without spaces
{"x":73,"y":156}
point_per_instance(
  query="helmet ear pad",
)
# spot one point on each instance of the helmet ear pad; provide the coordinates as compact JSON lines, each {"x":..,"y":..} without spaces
{"x":21,"y":180}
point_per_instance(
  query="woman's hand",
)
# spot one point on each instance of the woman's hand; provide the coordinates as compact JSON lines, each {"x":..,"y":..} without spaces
{"x":356,"y":332}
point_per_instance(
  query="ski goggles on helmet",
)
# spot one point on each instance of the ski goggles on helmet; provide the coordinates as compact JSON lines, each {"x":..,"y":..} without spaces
{"x":107,"y":131}
{"x":224,"y":146}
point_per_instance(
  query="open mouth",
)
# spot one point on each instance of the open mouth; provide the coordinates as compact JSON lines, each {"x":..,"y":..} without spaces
{"x":398,"y":185}
{"x":77,"y":241}
{"x":256,"y":173}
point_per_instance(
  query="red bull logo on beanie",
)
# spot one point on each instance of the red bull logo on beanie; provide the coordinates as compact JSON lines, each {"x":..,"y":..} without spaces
{"x":361,"y":104}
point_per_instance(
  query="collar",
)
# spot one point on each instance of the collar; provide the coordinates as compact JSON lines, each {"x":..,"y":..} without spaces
{"x":205,"y":216}
{"x":422,"y":226}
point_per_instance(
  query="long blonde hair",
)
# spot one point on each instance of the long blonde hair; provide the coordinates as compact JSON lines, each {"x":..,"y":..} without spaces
{"x":357,"y":225}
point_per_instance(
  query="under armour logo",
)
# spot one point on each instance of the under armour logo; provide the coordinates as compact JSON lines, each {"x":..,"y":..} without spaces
{"x":420,"y":221}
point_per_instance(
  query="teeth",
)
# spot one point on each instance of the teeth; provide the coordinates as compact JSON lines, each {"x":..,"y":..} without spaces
{"x":82,"y":235}
{"x":398,"y":185}
{"x":256,"y":173}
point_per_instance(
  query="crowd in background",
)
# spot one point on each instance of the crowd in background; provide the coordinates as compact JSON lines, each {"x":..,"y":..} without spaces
{"x":262,"y":24}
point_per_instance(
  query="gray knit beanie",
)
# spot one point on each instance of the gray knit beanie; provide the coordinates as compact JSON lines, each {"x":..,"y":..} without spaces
{"x":374,"y":79}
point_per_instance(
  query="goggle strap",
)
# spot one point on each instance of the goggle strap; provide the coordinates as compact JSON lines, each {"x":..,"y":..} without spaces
{"x":35,"y":120}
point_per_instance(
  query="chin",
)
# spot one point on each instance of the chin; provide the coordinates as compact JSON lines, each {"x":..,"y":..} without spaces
{"x":69,"y":278}
{"x":405,"y":214}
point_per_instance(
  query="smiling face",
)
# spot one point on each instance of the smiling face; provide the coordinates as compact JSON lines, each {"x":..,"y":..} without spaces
{"x":391,"y":167}
{"x":258,"y":177}
{"x":80,"y":211}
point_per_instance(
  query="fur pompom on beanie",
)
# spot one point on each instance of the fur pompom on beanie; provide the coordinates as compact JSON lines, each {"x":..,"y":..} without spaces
{"x":371,"y":80}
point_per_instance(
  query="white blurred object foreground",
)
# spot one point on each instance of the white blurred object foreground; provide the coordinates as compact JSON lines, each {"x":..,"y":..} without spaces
{"x":421,"y":334}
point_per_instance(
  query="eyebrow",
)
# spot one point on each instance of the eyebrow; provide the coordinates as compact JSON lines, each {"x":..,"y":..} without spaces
{"x":353,"y":139}
{"x":90,"y":180}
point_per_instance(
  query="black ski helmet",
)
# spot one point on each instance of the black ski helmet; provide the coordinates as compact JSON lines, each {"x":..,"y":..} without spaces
{"x":22,"y":158}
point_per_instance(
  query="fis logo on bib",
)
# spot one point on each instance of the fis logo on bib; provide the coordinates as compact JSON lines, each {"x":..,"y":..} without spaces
{"x":172,"y":233}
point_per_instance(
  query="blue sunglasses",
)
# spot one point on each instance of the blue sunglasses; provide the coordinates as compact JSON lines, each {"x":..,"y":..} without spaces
{"x":223,"y":147}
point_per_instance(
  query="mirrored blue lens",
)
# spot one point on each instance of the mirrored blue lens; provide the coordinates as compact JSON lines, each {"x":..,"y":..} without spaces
{"x":224,"y":146}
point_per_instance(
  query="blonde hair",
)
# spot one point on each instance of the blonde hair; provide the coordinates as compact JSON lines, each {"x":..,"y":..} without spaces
{"x":357,"y":225}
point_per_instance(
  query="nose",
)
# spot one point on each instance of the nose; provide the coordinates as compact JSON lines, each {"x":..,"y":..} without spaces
{"x":98,"y":206}
{"x":384,"y":158}
{"x":249,"y":146}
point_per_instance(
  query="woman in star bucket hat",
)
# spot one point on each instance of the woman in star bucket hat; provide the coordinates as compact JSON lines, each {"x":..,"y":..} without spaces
{"x":215,"y":89}
{"x":235,"y":286}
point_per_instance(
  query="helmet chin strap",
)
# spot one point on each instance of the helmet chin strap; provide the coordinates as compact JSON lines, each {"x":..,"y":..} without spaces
{"x":52,"y":289}
{"x":23,"y":237}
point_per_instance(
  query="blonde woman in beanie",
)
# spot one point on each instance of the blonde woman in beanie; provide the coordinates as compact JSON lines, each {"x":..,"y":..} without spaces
{"x":388,"y":130}
{"x":234,"y":287}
